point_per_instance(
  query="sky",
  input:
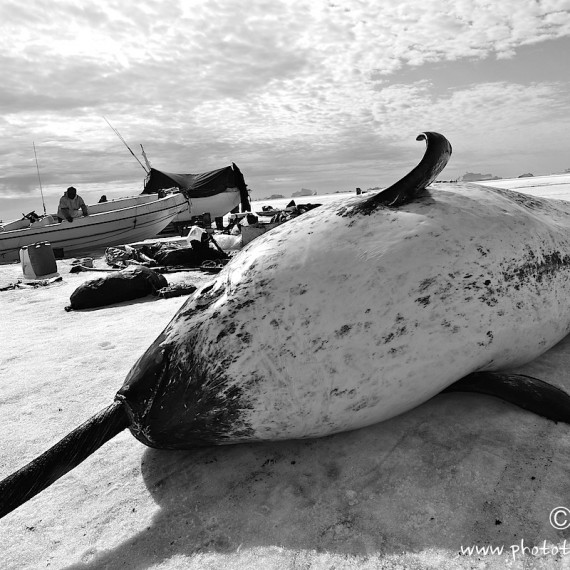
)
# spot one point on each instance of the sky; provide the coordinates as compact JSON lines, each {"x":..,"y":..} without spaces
{"x":327,"y":95}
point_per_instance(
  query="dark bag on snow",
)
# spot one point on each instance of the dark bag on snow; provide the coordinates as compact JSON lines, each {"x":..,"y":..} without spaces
{"x":125,"y":285}
{"x":185,"y":256}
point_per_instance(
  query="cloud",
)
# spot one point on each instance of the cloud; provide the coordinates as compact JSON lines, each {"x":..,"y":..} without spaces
{"x":290,"y":90}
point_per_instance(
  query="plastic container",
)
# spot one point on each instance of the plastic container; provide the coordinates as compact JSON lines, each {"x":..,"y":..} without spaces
{"x":249,"y":233}
{"x":38,"y":261}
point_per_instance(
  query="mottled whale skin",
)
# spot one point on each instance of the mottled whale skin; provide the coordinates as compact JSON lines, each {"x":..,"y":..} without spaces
{"x":355,"y":312}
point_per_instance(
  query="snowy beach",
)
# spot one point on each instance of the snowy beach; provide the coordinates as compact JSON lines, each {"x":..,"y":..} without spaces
{"x":458,"y":472}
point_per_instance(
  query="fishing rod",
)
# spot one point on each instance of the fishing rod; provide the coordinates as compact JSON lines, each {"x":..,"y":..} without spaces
{"x":123,"y":141}
{"x":38,"y":168}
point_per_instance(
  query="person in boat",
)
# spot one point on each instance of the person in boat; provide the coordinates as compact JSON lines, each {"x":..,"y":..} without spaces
{"x":70,"y":204}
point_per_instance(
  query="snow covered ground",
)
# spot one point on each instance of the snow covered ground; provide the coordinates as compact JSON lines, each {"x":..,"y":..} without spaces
{"x":280,"y":203}
{"x":458,"y":472}
{"x":555,"y":186}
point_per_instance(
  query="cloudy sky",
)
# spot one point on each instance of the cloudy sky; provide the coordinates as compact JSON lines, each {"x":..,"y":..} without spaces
{"x":321,"y":94}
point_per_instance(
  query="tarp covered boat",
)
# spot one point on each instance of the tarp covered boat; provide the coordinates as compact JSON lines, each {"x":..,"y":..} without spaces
{"x":216,"y":192}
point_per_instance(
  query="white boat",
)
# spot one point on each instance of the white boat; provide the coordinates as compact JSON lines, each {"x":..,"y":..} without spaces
{"x":216,"y":193}
{"x":116,"y":222}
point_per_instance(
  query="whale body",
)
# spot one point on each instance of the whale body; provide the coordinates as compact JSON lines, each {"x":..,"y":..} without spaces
{"x":355,"y":312}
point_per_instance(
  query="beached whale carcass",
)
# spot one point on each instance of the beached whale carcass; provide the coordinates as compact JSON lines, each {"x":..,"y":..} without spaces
{"x":355,"y":312}
{"x":348,"y":315}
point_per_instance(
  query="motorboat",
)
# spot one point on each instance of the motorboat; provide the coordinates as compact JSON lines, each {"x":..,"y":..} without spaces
{"x":116,"y":222}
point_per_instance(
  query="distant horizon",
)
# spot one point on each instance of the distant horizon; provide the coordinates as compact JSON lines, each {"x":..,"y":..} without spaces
{"x":482,"y":177}
{"x":311,"y":93}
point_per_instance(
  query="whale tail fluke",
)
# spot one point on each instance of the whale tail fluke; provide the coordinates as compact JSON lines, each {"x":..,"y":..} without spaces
{"x":437,"y":154}
{"x":74,"y":448}
{"x":529,"y":393}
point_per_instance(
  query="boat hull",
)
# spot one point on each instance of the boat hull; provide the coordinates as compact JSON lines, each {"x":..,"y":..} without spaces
{"x":217,"y":206}
{"x":112,"y":223}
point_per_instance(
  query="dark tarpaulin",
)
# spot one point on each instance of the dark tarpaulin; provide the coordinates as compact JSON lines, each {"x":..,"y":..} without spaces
{"x":197,"y":185}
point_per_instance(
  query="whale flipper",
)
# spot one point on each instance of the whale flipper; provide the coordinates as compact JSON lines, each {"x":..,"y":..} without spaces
{"x":66,"y":454}
{"x":529,"y":393}
{"x":437,"y":154}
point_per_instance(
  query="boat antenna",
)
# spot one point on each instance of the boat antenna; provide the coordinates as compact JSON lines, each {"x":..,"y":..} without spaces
{"x":38,"y":169}
{"x":123,"y":141}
